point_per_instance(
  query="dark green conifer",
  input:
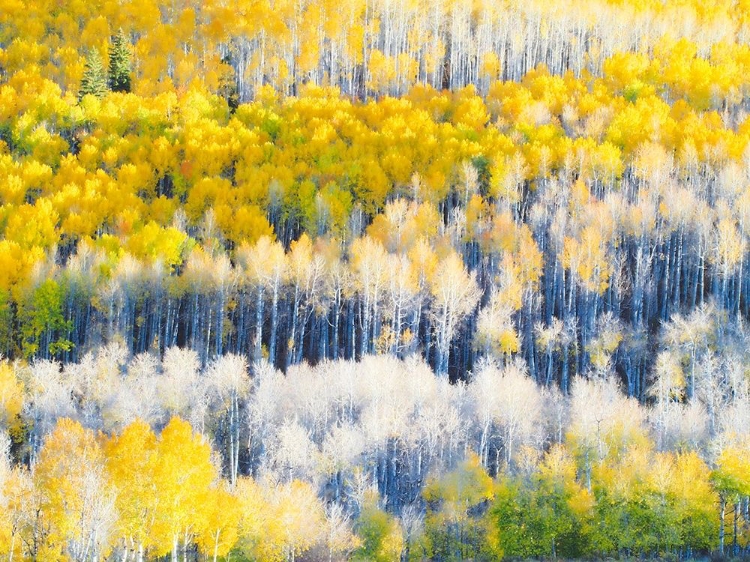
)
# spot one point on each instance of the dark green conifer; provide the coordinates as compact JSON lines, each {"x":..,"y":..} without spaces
{"x":94,"y":79}
{"x":119,"y":63}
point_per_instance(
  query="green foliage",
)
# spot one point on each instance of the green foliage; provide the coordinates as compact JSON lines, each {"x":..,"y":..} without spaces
{"x":653,"y":504}
{"x":455,"y":527}
{"x":43,"y":326}
{"x":380,"y":535}
{"x":642,"y":523}
{"x":482,"y":165}
{"x":119,"y":63}
{"x":324,"y":210}
{"x":544,"y":515}
{"x":94,"y":81}
{"x":731,"y":479}
{"x":6,"y":323}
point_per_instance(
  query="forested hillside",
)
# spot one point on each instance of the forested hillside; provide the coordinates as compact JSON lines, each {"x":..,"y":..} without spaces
{"x":381,"y":280}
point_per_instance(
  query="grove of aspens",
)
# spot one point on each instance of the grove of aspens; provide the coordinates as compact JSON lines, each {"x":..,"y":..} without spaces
{"x":374,"y":280}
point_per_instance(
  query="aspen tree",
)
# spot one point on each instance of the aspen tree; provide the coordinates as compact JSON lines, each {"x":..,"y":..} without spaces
{"x":456,"y":294}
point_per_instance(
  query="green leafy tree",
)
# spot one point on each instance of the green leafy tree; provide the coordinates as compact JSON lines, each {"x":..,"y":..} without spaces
{"x":380,"y":534}
{"x":119,"y":63}
{"x":94,"y":81}
{"x":6,"y":323}
{"x":546,"y":514}
{"x":43,"y":326}
{"x":731,"y":482}
{"x":455,"y":526}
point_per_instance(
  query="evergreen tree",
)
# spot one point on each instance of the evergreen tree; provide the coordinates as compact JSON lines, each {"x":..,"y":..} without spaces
{"x":94,"y":79}
{"x":228,"y":86}
{"x":119,"y":63}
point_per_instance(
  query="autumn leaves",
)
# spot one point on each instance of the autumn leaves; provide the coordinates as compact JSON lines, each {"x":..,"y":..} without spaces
{"x":139,"y":496}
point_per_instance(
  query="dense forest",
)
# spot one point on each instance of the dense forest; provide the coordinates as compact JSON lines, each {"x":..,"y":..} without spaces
{"x":378,"y":460}
{"x":389,"y":280}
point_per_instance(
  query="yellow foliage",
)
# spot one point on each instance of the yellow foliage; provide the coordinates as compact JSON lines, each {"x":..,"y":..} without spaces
{"x":280,"y":521}
{"x":70,"y":477}
{"x":131,"y":459}
{"x":182,"y":488}
{"x":221,"y":526}
{"x":153,"y":242}
{"x":586,"y":257}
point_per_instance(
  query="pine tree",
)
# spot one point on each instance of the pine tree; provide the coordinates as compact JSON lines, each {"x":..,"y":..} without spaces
{"x":228,"y":86}
{"x":94,"y":79}
{"x":119,"y":63}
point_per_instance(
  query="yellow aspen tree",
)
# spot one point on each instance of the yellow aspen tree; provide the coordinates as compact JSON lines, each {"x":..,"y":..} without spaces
{"x":266,"y":267}
{"x":77,"y":499}
{"x":221,"y":529}
{"x":369,"y":265}
{"x":131,"y":461}
{"x":183,"y":475}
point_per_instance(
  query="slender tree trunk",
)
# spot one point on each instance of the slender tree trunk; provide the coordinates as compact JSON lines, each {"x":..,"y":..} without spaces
{"x":274,"y":322}
{"x":721,"y":524}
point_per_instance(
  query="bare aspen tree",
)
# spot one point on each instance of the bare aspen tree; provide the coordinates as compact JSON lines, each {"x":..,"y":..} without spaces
{"x":455,"y":294}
